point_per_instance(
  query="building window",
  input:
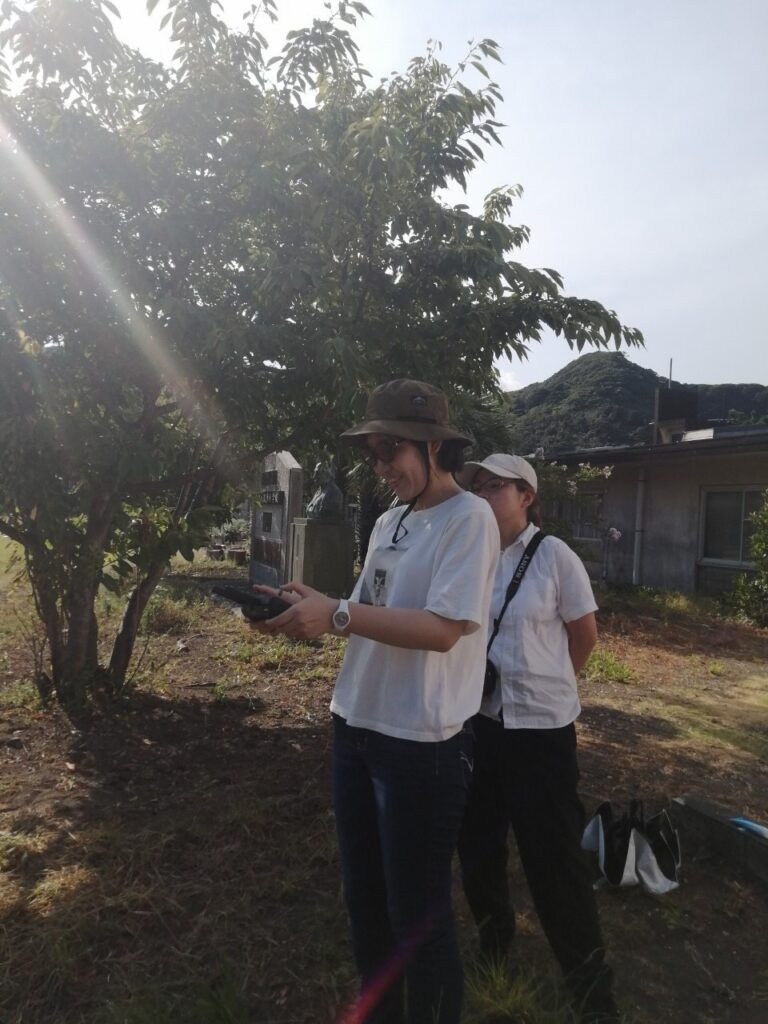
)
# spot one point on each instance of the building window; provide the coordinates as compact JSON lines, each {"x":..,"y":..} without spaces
{"x":266,"y":522}
{"x":727,"y":524}
{"x":583,"y":515}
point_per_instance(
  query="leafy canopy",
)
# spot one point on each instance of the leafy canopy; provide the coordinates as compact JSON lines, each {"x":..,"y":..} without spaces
{"x":209,"y":259}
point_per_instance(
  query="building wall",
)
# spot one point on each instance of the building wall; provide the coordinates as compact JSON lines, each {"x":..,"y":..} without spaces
{"x":672,"y":516}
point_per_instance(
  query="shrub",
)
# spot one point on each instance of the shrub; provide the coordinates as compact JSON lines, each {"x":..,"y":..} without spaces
{"x":749,"y":596}
{"x":232,"y":532}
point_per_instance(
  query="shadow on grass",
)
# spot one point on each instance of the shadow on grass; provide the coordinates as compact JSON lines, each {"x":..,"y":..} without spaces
{"x":629,"y":752}
{"x":188,"y":876}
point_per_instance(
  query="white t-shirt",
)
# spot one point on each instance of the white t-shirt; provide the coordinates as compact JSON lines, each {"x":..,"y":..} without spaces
{"x":444,"y":564}
{"x":538,"y":684}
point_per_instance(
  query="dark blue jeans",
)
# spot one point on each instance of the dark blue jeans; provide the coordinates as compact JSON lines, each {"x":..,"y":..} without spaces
{"x":399,"y":806}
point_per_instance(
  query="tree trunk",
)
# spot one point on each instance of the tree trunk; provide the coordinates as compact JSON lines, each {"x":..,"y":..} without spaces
{"x":44,"y":594}
{"x":122,"y":649}
{"x":81,"y":656}
{"x":48,"y":614}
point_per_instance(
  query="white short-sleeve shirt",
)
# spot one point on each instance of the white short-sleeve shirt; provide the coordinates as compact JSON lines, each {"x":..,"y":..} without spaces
{"x":444,"y":564}
{"x":538,"y":685}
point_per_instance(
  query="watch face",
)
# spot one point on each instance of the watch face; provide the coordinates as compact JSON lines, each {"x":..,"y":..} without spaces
{"x":341,"y":619}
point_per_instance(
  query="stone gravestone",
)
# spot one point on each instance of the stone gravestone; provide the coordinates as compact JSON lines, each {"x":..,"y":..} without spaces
{"x":323,"y":543}
{"x":280,"y":502}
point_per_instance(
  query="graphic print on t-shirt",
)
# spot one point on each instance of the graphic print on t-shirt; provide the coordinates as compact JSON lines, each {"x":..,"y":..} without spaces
{"x":379,"y":577}
{"x":379,"y":586}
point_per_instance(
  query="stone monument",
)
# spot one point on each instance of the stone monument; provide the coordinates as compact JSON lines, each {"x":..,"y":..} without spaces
{"x":327,"y":502}
{"x":323,"y":543}
{"x":280,"y":502}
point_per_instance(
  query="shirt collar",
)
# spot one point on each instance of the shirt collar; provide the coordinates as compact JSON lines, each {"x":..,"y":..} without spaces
{"x":524,"y":538}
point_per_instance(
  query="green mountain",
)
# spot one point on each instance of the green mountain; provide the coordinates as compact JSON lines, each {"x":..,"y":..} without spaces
{"x":604,"y":399}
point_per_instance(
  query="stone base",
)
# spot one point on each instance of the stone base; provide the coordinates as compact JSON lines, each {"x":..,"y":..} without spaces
{"x":323,"y":555}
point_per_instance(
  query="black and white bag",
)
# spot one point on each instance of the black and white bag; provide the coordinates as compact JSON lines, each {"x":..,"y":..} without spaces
{"x":633,"y":851}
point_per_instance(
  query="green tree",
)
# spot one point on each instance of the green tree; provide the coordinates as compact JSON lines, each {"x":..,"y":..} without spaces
{"x":747,"y":419}
{"x":203,"y":261}
{"x":750,"y":593}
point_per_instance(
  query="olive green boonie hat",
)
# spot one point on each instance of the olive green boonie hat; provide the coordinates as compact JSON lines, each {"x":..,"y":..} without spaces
{"x":409,"y":409}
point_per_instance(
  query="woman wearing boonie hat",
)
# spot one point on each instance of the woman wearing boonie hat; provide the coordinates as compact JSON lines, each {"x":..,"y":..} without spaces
{"x":412,"y":675}
{"x":525,"y":771}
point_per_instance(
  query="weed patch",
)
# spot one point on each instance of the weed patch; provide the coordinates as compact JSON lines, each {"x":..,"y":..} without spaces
{"x":20,"y":694}
{"x":165,"y":614}
{"x":666,"y":605}
{"x":605,"y":667}
{"x":16,"y":849}
{"x":492,"y":995}
{"x":203,"y":567}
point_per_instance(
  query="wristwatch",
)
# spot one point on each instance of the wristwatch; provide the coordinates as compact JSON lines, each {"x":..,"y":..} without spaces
{"x":341,"y":617}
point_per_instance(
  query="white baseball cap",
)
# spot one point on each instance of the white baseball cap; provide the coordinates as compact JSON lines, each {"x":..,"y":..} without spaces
{"x":510,"y":467}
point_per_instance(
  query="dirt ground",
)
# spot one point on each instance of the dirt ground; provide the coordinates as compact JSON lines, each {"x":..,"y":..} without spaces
{"x":176,"y":861}
{"x":694,"y":721}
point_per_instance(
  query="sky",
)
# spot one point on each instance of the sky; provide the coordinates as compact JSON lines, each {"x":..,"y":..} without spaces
{"x":639,"y":132}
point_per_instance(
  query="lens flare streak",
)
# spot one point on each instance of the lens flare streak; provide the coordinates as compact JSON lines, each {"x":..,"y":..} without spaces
{"x":95,"y":262}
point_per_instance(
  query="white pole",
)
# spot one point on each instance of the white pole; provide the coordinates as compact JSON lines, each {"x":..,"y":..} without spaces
{"x":639,"y":506}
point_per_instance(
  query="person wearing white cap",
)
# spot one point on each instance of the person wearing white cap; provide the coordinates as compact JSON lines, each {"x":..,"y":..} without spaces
{"x":541,"y":632}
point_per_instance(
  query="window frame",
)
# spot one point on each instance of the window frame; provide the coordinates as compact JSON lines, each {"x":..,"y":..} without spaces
{"x":577,"y":503}
{"x":742,"y":489}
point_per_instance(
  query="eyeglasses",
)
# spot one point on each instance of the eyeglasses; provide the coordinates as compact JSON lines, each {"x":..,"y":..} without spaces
{"x":385,"y":451}
{"x":490,"y":486}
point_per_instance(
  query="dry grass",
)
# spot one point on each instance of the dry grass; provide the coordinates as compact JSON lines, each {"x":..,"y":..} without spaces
{"x":174,"y":870}
{"x":177,"y":861}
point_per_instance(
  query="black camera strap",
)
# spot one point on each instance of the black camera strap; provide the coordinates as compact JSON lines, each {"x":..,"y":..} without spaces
{"x":514,"y":583}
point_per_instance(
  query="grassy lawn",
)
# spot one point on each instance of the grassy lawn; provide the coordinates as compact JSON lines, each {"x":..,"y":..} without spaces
{"x":176,"y":861}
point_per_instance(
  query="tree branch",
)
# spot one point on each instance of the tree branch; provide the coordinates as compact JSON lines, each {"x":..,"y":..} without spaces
{"x":12,"y":532}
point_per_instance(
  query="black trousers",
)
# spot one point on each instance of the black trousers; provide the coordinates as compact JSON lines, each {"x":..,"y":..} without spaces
{"x":527,"y":779}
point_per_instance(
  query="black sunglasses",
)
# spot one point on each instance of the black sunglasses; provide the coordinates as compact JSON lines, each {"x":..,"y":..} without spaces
{"x":385,"y":451}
